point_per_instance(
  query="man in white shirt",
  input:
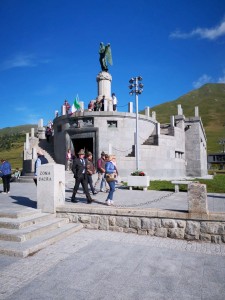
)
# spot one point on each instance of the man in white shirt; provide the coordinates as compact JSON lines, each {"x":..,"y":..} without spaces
{"x":114,"y":101}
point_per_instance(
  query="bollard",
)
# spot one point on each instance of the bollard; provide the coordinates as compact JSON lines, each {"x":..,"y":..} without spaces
{"x":197,"y":198}
{"x":50,"y":187}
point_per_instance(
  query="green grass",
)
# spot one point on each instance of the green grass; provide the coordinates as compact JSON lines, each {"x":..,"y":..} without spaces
{"x":14,"y":156}
{"x":215,"y":185}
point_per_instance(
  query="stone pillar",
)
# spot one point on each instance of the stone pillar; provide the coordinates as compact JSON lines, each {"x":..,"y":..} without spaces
{"x":157,"y":128}
{"x":197,"y":198}
{"x":32,"y":132}
{"x":130,"y":107}
{"x":40,"y":123}
{"x":81,"y":105}
{"x":63,"y":110}
{"x":27,"y":144}
{"x":104,"y":80}
{"x":154,"y":115}
{"x":50,"y":187}
{"x":179,"y":110}
{"x":196,"y":111}
{"x":147,"y":111}
{"x":172,"y":123}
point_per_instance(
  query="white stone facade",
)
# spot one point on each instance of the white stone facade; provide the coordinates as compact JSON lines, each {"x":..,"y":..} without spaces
{"x":175,"y":150}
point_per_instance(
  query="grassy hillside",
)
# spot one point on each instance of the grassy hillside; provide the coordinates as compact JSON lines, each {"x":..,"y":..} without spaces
{"x":210,"y":99}
{"x":11,"y":144}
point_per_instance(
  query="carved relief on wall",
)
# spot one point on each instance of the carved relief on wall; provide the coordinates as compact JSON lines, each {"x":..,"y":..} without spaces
{"x":81,"y":122}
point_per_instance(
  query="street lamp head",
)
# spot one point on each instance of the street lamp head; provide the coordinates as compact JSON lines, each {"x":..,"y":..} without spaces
{"x":131,"y":93}
{"x":140,"y":91}
{"x":131,"y":80}
{"x":131,"y":86}
{"x":139,"y":78}
{"x":141,"y":85}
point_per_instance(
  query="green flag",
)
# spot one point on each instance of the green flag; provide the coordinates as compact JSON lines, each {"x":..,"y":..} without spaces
{"x":76,"y":104}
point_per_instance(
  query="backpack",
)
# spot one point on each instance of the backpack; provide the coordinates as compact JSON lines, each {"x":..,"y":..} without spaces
{"x":43,"y":160}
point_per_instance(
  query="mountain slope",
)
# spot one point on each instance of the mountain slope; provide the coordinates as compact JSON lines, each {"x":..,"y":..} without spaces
{"x":210,"y":99}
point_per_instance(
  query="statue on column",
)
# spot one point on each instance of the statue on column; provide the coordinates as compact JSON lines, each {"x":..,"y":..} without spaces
{"x":105,"y":56}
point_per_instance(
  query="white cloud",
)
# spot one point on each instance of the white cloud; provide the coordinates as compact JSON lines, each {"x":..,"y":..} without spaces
{"x":204,"y":33}
{"x":22,"y":60}
{"x":18,"y":61}
{"x":202,"y":80}
{"x":222,"y":78}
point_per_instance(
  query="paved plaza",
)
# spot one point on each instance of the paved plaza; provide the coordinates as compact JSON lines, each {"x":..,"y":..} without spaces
{"x":112,"y":265}
{"x":94,"y":264}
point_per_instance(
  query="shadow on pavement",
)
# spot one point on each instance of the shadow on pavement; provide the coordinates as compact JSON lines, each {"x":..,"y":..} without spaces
{"x":24,"y":201}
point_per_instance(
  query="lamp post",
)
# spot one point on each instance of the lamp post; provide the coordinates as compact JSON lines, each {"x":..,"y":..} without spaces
{"x":136,"y":88}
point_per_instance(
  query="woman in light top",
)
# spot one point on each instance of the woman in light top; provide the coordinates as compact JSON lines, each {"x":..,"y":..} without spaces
{"x":110,"y":168}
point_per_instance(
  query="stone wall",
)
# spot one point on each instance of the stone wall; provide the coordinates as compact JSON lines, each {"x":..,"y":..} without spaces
{"x":210,"y":228}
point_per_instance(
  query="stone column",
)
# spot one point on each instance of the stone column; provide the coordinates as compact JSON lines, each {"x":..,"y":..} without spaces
{"x":172,"y":123}
{"x":130,"y":107}
{"x":50,"y":187}
{"x":154,"y":115}
{"x":27,"y":144}
{"x":197,"y":198}
{"x":196,"y":111}
{"x":179,"y":110}
{"x":104,"y":80}
{"x":157,"y":128}
{"x":147,"y":111}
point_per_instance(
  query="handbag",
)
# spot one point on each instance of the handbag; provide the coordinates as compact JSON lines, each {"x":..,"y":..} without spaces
{"x":110,"y":177}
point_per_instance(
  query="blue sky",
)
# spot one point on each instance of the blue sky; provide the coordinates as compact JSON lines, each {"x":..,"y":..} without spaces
{"x":49,"y":51}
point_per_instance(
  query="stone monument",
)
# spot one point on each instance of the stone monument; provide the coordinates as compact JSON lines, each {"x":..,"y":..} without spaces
{"x":104,"y":78}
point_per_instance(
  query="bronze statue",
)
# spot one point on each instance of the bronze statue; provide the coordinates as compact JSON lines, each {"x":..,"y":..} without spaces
{"x":105,"y":56}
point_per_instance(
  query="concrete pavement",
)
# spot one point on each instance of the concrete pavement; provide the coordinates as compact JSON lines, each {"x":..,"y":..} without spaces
{"x":111,"y":265}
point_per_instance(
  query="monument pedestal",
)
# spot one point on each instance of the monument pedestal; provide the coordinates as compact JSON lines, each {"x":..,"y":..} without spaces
{"x":104,"y":80}
{"x":50,"y":187}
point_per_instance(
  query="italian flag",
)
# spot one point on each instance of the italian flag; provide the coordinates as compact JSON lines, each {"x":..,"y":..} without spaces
{"x":76,"y":105}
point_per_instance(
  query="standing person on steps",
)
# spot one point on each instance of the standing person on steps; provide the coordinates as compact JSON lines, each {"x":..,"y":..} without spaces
{"x":79,"y":170}
{"x":5,"y":170}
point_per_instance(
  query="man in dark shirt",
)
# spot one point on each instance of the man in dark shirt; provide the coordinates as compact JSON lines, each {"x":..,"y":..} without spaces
{"x":79,"y":170}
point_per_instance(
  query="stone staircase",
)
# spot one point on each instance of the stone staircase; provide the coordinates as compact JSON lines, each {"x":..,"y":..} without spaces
{"x":27,"y":231}
{"x":152,"y":140}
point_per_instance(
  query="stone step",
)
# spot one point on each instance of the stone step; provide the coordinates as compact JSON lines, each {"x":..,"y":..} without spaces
{"x":30,"y":247}
{"x":27,"y":233}
{"x":19,"y":213}
{"x":26,"y":179}
{"x":26,"y":221}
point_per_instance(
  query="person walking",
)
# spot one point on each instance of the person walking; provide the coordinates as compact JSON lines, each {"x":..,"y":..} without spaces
{"x":101,"y":172}
{"x":41,"y":160}
{"x":5,"y":170}
{"x":79,"y":170}
{"x":90,"y":172}
{"x":111,"y":173}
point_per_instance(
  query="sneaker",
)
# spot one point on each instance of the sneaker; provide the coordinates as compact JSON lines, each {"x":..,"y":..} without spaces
{"x":108,"y":202}
{"x":111,"y":202}
{"x":4,"y":193}
{"x":95,"y":193}
{"x":101,"y":190}
{"x":8,"y":192}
